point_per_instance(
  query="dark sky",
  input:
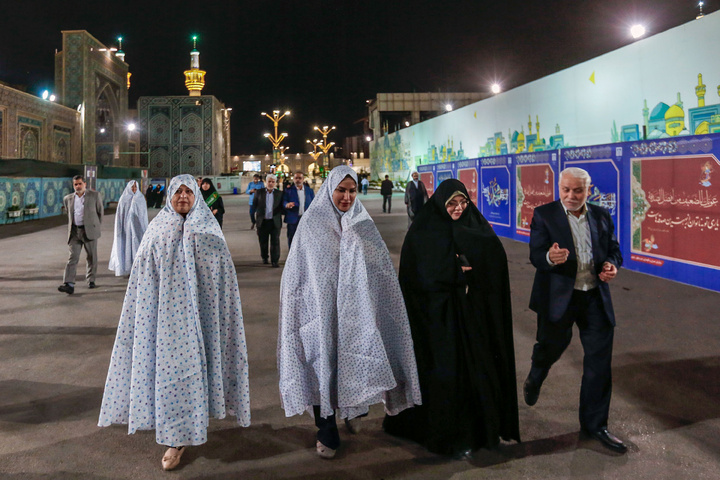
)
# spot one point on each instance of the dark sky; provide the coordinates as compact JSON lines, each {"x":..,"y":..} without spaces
{"x":323,"y":59}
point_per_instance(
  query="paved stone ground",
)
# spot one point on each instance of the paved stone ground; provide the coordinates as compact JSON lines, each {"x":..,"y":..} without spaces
{"x":55,"y":349}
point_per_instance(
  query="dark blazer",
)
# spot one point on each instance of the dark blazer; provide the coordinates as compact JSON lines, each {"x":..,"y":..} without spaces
{"x":386,"y":187}
{"x":291,"y":195}
{"x":92,"y":213}
{"x":553,"y":285}
{"x":260,"y":205}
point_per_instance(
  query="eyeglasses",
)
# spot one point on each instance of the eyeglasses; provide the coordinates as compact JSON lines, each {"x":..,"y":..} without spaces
{"x":462,"y":204}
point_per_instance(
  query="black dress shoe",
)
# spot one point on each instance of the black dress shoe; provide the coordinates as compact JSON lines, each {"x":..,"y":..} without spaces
{"x":66,"y":288}
{"x":92,"y":285}
{"x":265,"y":261}
{"x":275,"y":265}
{"x":531,"y":392}
{"x":608,"y":440}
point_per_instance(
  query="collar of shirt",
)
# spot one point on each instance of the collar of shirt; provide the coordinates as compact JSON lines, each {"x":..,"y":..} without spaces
{"x":583,"y":210}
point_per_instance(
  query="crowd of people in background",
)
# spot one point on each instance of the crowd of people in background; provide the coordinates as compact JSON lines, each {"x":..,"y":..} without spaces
{"x":433,"y":344}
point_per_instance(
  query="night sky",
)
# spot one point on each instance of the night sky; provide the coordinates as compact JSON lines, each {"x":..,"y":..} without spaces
{"x":323,"y":59}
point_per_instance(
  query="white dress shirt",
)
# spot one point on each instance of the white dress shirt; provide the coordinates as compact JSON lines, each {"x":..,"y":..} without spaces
{"x":301,"y":201}
{"x":79,"y":210}
{"x":269,"y":203}
{"x":586,"y":279}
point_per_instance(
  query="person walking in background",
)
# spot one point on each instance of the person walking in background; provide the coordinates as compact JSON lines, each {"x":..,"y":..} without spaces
{"x":344,"y":341}
{"x":268,"y":217}
{"x":85,"y":211}
{"x":179,"y":357}
{"x":131,"y":221}
{"x":158,"y":196}
{"x":213,"y":199}
{"x":386,"y":190}
{"x":150,"y":196}
{"x":454,"y":278}
{"x":296,"y":200}
{"x":415,"y":196}
{"x":253,"y":187}
{"x":365,"y":183}
{"x":576,"y":253}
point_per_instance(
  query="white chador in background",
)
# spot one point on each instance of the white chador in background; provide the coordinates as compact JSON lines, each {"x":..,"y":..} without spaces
{"x":344,"y":339}
{"x":180,"y":356}
{"x":131,"y":221}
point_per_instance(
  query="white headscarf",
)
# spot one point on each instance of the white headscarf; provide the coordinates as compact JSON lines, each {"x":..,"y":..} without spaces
{"x":344,"y":339}
{"x":131,"y":221}
{"x":180,"y":355}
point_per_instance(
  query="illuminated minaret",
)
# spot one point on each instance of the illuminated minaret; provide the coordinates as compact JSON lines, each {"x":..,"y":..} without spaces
{"x":700,"y":91}
{"x":195,"y":78}
{"x":121,"y":55}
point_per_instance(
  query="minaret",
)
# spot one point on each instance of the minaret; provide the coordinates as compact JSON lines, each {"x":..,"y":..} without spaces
{"x":529,"y":125}
{"x":121,"y":55}
{"x":700,"y":91}
{"x":537,"y":128}
{"x":646,"y":116}
{"x":195,"y":78}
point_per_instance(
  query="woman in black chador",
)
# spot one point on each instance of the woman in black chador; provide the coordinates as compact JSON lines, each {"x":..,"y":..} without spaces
{"x":213,"y":199}
{"x":454,"y":277}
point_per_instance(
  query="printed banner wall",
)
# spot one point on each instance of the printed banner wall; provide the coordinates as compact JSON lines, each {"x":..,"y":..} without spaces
{"x":663,"y":195}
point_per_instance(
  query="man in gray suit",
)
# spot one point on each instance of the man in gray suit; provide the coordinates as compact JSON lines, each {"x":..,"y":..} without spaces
{"x":85,"y":211}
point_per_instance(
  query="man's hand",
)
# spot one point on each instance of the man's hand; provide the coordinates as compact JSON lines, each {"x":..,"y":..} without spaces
{"x":558,"y":255}
{"x":290,"y":205}
{"x":609,"y":272}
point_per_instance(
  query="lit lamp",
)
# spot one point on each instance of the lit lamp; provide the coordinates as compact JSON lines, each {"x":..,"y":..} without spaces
{"x":276,"y":140}
{"x":324,"y":146}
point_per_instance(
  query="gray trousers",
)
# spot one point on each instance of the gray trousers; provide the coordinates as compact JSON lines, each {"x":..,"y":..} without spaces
{"x":78,"y":241}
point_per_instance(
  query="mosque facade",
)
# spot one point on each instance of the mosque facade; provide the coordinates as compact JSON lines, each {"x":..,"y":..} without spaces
{"x":185,"y":134}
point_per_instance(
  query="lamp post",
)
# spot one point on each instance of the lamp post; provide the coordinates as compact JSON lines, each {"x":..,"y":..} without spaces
{"x":324,"y":146}
{"x":276,"y":140}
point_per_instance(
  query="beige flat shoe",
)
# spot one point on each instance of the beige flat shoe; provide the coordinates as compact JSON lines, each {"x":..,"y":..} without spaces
{"x":171,"y":459}
{"x":353,"y":425}
{"x":323,"y":451}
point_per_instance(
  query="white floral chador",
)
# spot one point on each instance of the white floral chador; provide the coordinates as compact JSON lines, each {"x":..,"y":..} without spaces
{"x":131,"y":221}
{"x":180,"y":355}
{"x":344,"y":339}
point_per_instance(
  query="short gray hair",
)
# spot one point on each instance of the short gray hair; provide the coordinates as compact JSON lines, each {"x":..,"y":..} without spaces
{"x":269,"y":176}
{"x":578,"y":173}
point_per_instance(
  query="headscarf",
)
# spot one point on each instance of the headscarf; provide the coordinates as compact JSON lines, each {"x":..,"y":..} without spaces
{"x":180,"y":355}
{"x":211,"y":194}
{"x":131,"y":221}
{"x":429,"y":266}
{"x":344,"y":340}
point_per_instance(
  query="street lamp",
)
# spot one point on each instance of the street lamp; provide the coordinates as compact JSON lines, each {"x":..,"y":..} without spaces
{"x":637,"y":31}
{"x":324,"y":146}
{"x":275,"y":140}
{"x":495,"y":88}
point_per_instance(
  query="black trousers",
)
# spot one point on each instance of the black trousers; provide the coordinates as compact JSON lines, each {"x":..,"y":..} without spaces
{"x":268,"y":231}
{"x":387,"y":199}
{"x":596,"y":335}
{"x":291,"y":229}
{"x":328,"y":433}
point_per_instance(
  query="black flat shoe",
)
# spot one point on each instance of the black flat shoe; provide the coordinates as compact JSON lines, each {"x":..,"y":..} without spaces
{"x":69,"y":289}
{"x":92,"y":285}
{"x":608,"y":440}
{"x":275,"y":265}
{"x":265,"y":261}
{"x":531,"y":392}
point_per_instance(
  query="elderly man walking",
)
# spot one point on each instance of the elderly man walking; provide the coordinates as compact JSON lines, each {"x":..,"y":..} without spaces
{"x":84,"y":210}
{"x":415,"y":196}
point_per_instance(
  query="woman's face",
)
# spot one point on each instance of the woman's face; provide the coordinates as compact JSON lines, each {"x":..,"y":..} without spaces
{"x":183,"y":199}
{"x":344,"y":194}
{"x":456,"y":206}
{"x":134,"y":187}
{"x":205,"y":186}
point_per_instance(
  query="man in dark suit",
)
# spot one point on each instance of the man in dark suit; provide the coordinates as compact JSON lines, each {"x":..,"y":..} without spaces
{"x":386,"y":190}
{"x":415,"y":196}
{"x":576,"y":253}
{"x":296,"y":200}
{"x":268,"y":215}
{"x":85,"y":210}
